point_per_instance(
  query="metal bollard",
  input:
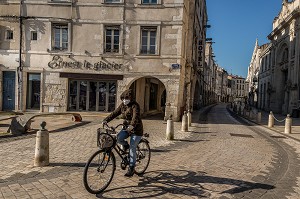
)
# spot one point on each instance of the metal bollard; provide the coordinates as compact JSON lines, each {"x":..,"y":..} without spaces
{"x":170,"y":129}
{"x":288,"y":124}
{"x":258,"y":117}
{"x":271,"y":120}
{"x":184,"y":125}
{"x":41,"y":157}
{"x":189,"y":115}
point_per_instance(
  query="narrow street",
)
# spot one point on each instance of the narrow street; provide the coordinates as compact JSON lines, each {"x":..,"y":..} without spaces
{"x":223,"y":157}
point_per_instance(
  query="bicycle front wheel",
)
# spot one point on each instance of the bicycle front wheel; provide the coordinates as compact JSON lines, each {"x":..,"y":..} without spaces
{"x":99,"y":171}
{"x":142,"y":157}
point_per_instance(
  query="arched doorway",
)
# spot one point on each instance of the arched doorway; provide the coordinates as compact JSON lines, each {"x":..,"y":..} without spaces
{"x":151,"y":94}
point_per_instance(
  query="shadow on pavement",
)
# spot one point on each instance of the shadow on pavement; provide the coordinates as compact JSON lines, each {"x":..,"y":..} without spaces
{"x":182,"y":140}
{"x":160,"y":150}
{"x":160,"y":182}
{"x":67,"y":164}
{"x":67,"y":127}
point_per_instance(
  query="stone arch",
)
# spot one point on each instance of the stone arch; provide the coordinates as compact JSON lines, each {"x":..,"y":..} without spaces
{"x":171,"y":92}
{"x":150,"y":92}
{"x":282,"y":77}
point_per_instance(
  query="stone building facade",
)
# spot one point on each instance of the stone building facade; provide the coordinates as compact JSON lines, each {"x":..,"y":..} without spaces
{"x":252,"y":77}
{"x":81,"y":55}
{"x":210,"y":74}
{"x":264,"y":78}
{"x":221,"y":84}
{"x":239,"y":88}
{"x":285,"y":57}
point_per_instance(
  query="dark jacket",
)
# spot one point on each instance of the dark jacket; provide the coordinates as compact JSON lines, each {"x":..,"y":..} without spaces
{"x":130,"y":113}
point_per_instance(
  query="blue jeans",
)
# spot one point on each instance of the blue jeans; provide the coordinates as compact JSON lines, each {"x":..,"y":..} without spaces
{"x":134,"y":141}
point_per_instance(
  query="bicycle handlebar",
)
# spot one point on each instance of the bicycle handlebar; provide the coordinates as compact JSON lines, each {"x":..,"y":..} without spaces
{"x":113,"y":128}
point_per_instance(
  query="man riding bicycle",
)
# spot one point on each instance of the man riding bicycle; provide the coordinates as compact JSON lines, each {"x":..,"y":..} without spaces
{"x":130,"y":111}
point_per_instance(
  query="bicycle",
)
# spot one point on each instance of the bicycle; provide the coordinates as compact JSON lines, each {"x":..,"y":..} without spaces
{"x":100,"y":168}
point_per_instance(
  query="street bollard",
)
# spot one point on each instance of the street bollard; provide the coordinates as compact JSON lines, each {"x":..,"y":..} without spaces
{"x":170,"y":129}
{"x":184,"y":126}
{"x":271,"y":120}
{"x":189,"y":115}
{"x":41,"y":157}
{"x":258,"y":117}
{"x":288,"y":124}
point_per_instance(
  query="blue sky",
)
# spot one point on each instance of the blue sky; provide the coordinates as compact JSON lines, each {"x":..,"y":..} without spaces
{"x":235,"y":25}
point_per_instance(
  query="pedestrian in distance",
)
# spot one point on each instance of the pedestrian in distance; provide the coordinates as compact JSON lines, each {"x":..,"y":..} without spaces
{"x":129,"y":110}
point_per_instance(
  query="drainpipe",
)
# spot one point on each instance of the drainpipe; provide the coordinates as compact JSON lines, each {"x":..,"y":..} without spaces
{"x":20,"y":68}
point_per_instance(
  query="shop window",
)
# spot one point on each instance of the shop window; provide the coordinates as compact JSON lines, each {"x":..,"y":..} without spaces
{"x":60,"y":37}
{"x":112,"y":39}
{"x":33,"y":91}
{"x":148,"y":40}
{"x":92,"y":95}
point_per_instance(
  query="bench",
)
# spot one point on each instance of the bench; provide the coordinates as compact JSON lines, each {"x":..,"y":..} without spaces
{"x":21,"y":125}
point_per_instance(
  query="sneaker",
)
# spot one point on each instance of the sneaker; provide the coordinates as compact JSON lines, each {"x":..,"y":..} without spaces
{"x":130,"y":172}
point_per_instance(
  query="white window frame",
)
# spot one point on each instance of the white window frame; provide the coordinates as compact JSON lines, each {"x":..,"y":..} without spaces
{"x":113,"y":28}
{"x":157,"y":2}
{"x":68,"y":25}
{"x":148,"y":28}
{"x":106,"y":1}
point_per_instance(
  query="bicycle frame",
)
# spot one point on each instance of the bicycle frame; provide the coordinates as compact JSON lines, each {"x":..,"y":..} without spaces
{"x":117,"y":148}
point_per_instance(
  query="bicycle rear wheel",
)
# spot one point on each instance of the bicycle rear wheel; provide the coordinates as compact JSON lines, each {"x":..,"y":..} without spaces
{"x":142,"y":157}
{"x":99,"y":171}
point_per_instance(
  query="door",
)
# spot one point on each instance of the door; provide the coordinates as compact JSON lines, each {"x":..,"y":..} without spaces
{"x":153,"y":96}
{"x":33,"y":91}
{"x":9,"y":79}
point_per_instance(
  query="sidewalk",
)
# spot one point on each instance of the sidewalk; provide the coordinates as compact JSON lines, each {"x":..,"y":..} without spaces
{"x":279,"y":123}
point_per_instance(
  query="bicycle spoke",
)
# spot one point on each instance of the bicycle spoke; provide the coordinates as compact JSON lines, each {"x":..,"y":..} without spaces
{"x":143,"y":157}
{"x":99,"y":172}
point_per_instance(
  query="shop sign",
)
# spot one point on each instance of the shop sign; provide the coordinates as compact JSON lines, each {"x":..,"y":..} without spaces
{"x":58,"y":62}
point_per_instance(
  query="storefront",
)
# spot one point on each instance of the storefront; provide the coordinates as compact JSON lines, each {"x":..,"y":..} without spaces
{"x":91,"y":92}
{"x":92,"y":95}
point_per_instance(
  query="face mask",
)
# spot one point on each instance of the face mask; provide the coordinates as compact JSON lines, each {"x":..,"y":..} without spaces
{"x":126,"y":101}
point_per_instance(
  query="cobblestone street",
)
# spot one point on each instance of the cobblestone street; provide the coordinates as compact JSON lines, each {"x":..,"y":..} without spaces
{"x":221,"y":157}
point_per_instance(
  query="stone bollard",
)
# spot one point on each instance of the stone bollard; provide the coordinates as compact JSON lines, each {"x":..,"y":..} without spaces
{"x":271,"y":120}
{"x":170,"y":129}
{"x":189,"y":115}
{"x":184,"y":126}
{"x":41,"y":157}
{"x":288,"y":124}
{"x":258,"y":117}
